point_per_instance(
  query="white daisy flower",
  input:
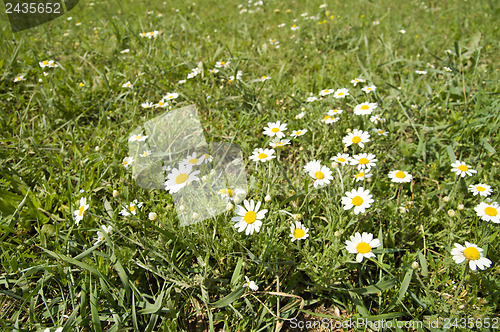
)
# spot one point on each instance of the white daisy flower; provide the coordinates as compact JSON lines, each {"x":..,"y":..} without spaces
{"x":380,"y":132}
{"x":326,"y":92}
{"x":281,"y":25}
{"x":330,"y":119}
{"x":127,"y":50}
{"x":365,"y":108}
{"x":145,"y":153}
{"x":294,"y":27}
{"x":448,"y":69}
{"x":488,"y":211}
{"x":275,"y":129}
{"x":398,"y":176}
{"x":127,"y":161}
{"x":171,"y":96}
{"x":180,"y":177}
{"x":369,"y":88}
{"x":376,"y":22}
{"x":147,"y":105}
{"x":481,"y":189}
{"x":81,"y":210}
{"x":137,"y":138}
{"x":47,"y":63}
{"x":357,"y":80}
{"x":207,"y":158}
{"x":279,"y":142}
{"x":311,"y":99}
{"x":462,"y":169}
{"x":249,"y":217}
{"x":19,"y":78}
{"x":402,"y":31}
{"x":152,"y":216}
{"x":192,"y":159}
{"x":214,"y":71}
{"x":181,"y":82}
{"x":321,"y":174}
{"x":297,"y":133}
{"x":358,"y":137}
{"x":300,"y":115}
{"x":264,"y":78}
{"x":161,"y":104}
{"x":421,"y":72}
{"x":100,"y":235}
{"x":362,"y":175}
{"x":334,"y":112}
{"x":472,"y":253}
{"x":250,"y":284}
{"x":222,"y":64}
{"x":131,"y":209}
{"x":262,"y":155}
{"x":298,"y":231}
{"x":230,"y":194}
{"x":341,"y":158}
{"x":364,"y":161}
{"x":341,"y":93}
{"x":359,"y":198}
{"x":362,"y":245}
{"x":312,"y":165}
{"x":377,"y":118}
{"x":127,"y":85}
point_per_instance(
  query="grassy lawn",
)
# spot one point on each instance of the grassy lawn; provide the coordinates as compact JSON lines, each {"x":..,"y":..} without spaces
{"x":418,"y":124}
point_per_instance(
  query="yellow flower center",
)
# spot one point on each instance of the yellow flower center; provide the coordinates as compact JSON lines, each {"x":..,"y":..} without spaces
{"x":319,"y":175}
{"x":342,"y":160}
{"x":250,"y":217}
{"x":380,"y":132}
{"x":125,"y":163}
{"x":472,"y":254}
{"x":206,"y":155}
{"x":230,"y":193}
{"x":45,"y":62}
{"x":363,"y":248}
{"x":262,"y":156}
{"x":326,"y":118}
{"x":264,"y":77}
{"x":132,"y":208}
{"x":298,"y":133}
{"x":299,"y":233}
{"x":491,"y":211}
{"x":326,"y":91}
{"x":363,"y":161}
{"x":463,"y":168}
{"x":181,"y":178}
{"x":138,"y":137}
{"x":294,"y":26}
{"x":193,"y":161}
{"x":357,"y":200}
{"x":341,"y":93}
{"x":400,"y":174}
{"x":356,"y":139}
{"x":359,"y":175}
{"x":222,"y":63}
{"x":365,"y":107}
{"x":81,"y":210}
{"x":275,"y":130}
{"x":479,"y":188}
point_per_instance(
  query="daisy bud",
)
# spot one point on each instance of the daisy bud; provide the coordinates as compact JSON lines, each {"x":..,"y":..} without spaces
{"x":337,"y":233}
{"x":335,"y":165}
{"x":451,"y":213}
{"x":446,"y":199}
{"x":195,"y":215}
{"x":267,"y":198}
{"x":402,"y":209}
{"x":96,"y":149}
{"x":348,"y":130}
{"x":460,"y":207}
{"x":297,"y":216}
{"x":152,"y":216}
{"x":346,"y":149}
{"x":414,"y":265}
{"x":237,"y":200}
{"x":115,"y":193}
{"x":40,"y":80}
{"x":229,"y":206}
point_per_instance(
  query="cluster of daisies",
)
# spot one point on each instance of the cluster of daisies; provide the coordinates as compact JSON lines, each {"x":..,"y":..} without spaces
{"x":164,"y":102}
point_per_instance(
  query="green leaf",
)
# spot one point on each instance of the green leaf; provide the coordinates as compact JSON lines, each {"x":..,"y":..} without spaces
{"x":423,"y":264}
{"x":237,"y":272}
{"x":230,"y":298}
{"x":377,"y":288}
{"x":96,"y":323}
{"x":449,"y":149}
{"x":487,"y":145}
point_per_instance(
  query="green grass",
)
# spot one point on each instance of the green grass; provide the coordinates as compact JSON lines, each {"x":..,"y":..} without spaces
{"x":158,"y":276}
